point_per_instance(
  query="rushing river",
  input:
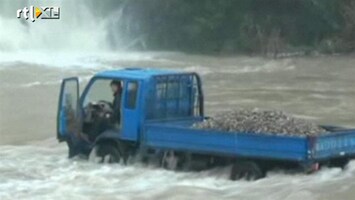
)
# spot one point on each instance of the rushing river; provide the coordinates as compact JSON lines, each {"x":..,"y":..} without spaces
{"x":34,"y":166}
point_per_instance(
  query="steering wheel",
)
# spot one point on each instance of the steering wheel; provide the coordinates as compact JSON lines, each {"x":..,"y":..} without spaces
{"x":98,"y":110}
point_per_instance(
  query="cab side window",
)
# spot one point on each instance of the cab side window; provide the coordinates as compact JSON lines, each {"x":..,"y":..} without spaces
{"x":131,"y":94}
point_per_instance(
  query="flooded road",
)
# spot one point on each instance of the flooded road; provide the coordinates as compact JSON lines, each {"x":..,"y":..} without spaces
{"x":34,"y":166}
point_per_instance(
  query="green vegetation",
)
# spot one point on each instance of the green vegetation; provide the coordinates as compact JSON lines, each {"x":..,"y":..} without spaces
{"x":269,"y":27}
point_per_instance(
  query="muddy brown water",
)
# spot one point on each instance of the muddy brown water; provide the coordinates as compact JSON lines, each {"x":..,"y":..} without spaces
{"x":34,"y":166}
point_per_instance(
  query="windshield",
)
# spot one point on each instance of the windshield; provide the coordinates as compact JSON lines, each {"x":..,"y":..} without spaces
{"x":100,"y":90}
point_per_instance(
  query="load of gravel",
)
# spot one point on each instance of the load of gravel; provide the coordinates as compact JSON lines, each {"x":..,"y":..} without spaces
{"x":260,"y":121}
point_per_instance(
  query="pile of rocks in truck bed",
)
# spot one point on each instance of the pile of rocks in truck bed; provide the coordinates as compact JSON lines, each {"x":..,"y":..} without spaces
{"x":260,"y":121}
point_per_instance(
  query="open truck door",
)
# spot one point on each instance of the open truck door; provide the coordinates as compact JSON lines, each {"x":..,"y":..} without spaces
{"x":68,"y":115}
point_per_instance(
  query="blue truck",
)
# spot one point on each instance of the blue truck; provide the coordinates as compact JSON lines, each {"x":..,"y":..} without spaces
{"x":154,"y":116}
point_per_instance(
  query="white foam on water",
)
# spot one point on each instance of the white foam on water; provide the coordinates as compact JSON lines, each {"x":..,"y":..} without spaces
{"x":35,"y":83}
{"x":255,"y":69}
{"x":55,"y":82}
{"x":268,"y":66}
{"x":78,"y":29}
{"x":242,"y":67}
{"x":199,"y":69}
{"x":93,"y":60}
{"x":42,"y":171}
{"x":79,"y":39}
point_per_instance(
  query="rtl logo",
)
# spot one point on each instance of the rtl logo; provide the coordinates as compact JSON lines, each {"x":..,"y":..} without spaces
{"x":33,"y":13}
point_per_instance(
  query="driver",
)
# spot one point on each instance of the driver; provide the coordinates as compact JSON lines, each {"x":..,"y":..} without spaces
{"x":117,"y":94}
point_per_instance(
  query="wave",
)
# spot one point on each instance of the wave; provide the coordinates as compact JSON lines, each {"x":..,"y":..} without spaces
{"x":42,"y":171}
{"x":87,"y":60}
{"x":56,"y":82}
{"x":242,"y":66}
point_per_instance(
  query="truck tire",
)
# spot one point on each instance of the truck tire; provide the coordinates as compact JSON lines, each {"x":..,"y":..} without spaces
{"x":310,"y":168}
{"x":107,"y":153}
{"x":248,"y":170}
{"x":186,"y":162}
{"x":76,"y":150}
{"x":71,"y":150}
{"x":170,"y":160}
{"x":340,"y":163}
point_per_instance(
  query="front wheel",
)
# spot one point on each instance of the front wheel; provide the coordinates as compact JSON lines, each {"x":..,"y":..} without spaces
{"x":105,"y":153}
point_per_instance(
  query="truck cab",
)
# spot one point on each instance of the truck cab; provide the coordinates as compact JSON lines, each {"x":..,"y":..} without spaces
{"x":88,"y":119}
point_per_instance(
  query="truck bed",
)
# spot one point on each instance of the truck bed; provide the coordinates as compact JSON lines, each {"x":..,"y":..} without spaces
{"x":179,"y":135}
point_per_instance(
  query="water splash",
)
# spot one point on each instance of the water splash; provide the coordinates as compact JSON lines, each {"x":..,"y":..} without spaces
{"x":42,"y":171}
{"x":78,"y":29}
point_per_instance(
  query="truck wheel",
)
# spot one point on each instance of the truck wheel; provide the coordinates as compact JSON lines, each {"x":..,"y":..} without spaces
{"x":310,"y":168}
{"x":186,"y":162}
{"x":71,"y":150}
{"x":246,"y":169}
{"x":340,"y":162}
{"x":169,"y":160}
{"x":106,"y":153}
